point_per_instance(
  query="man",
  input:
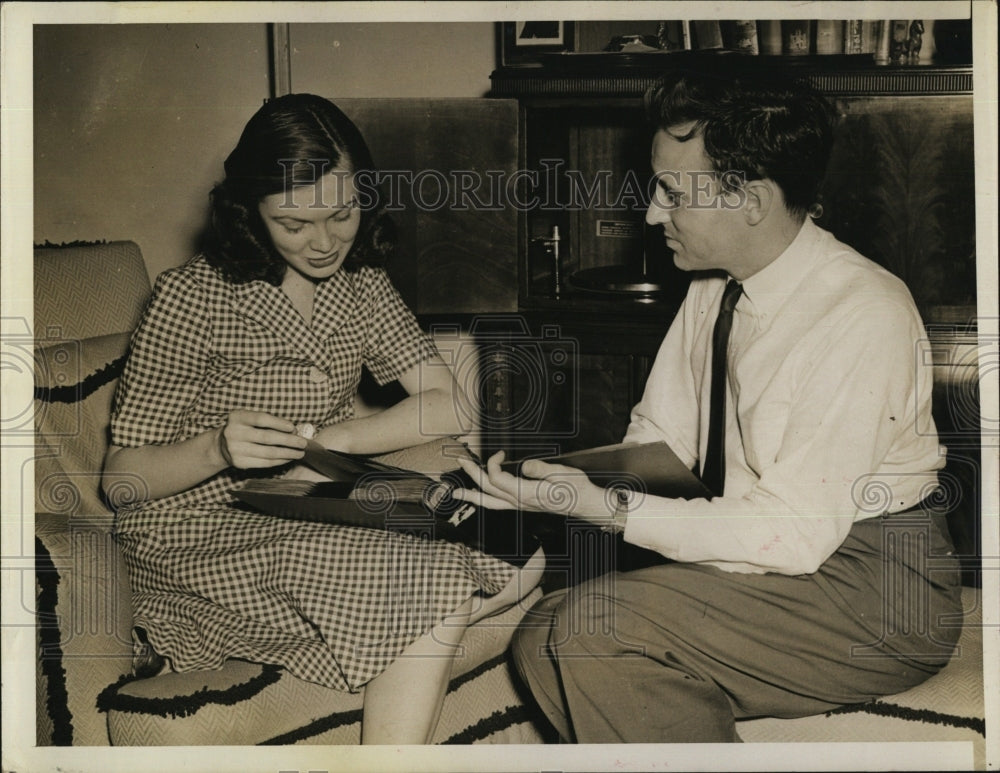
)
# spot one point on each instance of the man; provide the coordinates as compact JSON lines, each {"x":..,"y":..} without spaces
{"x":812,"y":578}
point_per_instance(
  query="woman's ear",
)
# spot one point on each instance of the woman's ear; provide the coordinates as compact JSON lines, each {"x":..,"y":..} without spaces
{"x":761,"y":197}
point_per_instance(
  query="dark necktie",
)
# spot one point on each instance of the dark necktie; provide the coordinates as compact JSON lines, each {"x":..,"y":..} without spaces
{"x":713,"y":469}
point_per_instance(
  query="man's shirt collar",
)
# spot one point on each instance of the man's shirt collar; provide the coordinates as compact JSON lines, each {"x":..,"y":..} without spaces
{"x":765,"y":292}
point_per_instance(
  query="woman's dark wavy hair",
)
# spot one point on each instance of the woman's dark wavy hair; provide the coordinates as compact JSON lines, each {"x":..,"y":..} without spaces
{"x":292,"y":140}
{"x":754,"y":125}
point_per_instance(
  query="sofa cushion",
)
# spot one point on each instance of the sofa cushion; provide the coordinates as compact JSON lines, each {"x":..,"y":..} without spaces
{"x":74,"y":386}
{"x":247,"y":703}
{"x":88,"y":290}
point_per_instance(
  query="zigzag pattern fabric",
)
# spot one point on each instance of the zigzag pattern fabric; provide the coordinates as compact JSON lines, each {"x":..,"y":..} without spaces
{"x":482,"y":708}
{"x":84,"y":617}
{"x":74,"y":386}
{"x":91,"y":267}
{"x":87,"y":298}
{"x":275,"y":708}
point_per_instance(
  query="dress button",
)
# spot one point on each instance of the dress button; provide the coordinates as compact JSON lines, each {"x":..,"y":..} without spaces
{"x":316,"y":376}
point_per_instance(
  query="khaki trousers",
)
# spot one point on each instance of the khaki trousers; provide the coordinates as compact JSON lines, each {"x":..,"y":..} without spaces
{"x":678,"y":652}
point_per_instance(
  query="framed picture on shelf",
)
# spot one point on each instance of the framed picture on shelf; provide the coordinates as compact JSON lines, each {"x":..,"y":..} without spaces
{"x":524,"y":42}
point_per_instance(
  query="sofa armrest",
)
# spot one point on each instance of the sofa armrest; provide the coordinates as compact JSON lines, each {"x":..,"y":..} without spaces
{"x":84,"y":608}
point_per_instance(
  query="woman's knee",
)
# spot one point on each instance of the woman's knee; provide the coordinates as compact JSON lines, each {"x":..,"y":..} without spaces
{"x":530,"y":640}
{"x":524,"y":581}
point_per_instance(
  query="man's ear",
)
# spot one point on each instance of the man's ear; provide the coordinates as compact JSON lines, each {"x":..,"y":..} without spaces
{"x":761,"y":198}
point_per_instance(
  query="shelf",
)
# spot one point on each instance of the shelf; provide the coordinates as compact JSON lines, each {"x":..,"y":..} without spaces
{"x":631,"y":79}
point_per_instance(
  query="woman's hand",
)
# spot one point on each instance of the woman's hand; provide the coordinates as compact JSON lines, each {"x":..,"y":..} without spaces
{"x":253,"y":439}
{"x":552,"y":488}
{"x":247,"y":440}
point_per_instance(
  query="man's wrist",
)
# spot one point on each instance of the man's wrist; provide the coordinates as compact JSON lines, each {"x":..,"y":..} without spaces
{"x":618,"y":501}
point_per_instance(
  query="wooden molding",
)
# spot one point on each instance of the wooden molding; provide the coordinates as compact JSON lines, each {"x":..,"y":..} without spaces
{"x":281,"y":59}
{"x":916,"y":80}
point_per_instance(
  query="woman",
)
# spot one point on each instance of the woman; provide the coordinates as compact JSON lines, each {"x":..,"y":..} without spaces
{"x":268,"y":329}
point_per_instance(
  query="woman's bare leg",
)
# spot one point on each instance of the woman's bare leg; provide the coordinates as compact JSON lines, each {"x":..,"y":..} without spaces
{"x":403,"y":703}
{"x":519,"y":586}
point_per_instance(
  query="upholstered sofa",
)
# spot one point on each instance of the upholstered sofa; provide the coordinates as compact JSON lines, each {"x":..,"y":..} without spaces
{"x":88,"y":298}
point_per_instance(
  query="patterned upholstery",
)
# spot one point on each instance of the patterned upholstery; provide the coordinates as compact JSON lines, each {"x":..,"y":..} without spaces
{"x":88,"y":290}
{"x":84,"y":619}
{"x":75,"y":384}
{"x":274,"y":707}
{"x":87,"y":299}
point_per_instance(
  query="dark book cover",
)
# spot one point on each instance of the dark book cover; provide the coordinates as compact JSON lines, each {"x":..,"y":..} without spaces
{"x":651,"y":468}
{"x":408,"y":504}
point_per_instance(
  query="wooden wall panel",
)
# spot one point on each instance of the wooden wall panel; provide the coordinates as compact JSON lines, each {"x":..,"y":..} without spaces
{"x":900,"y":189}
{"x":450,"y":259}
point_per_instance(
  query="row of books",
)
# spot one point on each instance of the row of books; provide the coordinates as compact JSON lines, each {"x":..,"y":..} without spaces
{"x":889,"y":42}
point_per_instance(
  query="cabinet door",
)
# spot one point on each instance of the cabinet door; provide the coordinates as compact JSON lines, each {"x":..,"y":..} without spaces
{"x":582,"y":404}
{"x":605,"y":400}
{"x":900,"y":189}
{"x":442,"y":160}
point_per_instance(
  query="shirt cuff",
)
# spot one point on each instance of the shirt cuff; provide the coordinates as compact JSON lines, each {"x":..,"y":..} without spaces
{"x":645,"y":531}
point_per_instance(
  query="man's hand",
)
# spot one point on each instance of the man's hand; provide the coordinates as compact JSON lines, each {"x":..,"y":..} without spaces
{"x":551,"y":488}
{"x":253,"y":439}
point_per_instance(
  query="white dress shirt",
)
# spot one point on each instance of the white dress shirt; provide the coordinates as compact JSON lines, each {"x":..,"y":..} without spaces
{"x":827,"y":420}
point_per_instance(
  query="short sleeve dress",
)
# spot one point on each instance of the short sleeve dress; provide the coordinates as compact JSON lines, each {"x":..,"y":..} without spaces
{"x":333,"y":604}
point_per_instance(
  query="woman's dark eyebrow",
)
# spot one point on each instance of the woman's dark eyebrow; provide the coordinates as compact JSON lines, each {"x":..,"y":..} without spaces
{"x":352,"y":203}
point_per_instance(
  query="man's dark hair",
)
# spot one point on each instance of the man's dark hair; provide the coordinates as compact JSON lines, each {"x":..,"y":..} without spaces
{"x":291,"y":141}
{"x":756,"y":125}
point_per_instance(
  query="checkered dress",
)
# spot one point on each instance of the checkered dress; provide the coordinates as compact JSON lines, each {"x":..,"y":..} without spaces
{"x":333,"y":604}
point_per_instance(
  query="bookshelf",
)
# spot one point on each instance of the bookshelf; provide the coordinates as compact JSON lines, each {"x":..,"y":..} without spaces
{"x":584,"y":112}
{"x":902,"y":125}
